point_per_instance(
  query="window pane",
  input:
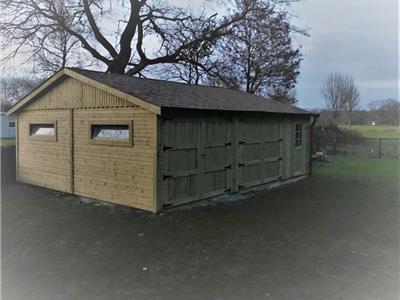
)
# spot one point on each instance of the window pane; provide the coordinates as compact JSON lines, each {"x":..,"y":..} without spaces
{"x":42,"y":129}
{"x":298,"y":135}
{"x":11,"y":124}
{"x":110,"y":132}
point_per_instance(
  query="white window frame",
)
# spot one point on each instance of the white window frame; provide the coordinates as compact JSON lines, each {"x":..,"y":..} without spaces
{"x":111,"y":141}
{"x":301,"y":136}
{"x":48,"y":138}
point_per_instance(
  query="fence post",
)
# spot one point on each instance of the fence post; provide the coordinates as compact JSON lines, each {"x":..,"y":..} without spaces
{"x":380,"y":148}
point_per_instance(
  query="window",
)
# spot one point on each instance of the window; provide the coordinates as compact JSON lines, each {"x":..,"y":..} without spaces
{"x":114,"y":133}
{"x":118,"y":132}
{"x":11,"y":124}
{"x":45,"y":130}
{"x":299,"y":136}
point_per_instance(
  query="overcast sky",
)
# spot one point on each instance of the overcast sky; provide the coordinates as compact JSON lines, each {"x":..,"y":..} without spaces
{"x":358,"y":37}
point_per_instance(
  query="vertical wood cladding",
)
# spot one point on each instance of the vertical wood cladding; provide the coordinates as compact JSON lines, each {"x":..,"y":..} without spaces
{"x":70,"y":163}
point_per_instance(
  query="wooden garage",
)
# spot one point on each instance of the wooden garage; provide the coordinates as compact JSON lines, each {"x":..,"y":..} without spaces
{"x":152,"y":144}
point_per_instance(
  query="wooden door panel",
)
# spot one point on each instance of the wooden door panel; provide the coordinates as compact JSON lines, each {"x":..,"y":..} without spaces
{"x":198,"y":158}
{"x":182,"y":146}
{"x":183,"y":188}
{"x":259,"y":151}
{"x":216,"y":157}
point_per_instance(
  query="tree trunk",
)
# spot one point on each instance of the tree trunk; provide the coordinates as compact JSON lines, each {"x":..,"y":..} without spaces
{"x":349,"y":118}
{"x":117,"y":68}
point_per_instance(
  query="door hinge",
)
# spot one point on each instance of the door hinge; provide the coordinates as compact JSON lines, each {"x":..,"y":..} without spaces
{"x":228,"y":167}
{"x":241,"y":142}
{"x":165,"y":148}
{"x":280,"y":140}
{"x":240,"y":187}
{"x":280,"y":158}
{"x":227,"y":190}
{"x":228,"y":144}
{"x":167,"y":176}
{"x":166,"y":205}
{"x":241,"y":165}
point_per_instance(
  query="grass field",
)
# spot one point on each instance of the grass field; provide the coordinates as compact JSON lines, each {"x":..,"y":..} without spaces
{"x":377,"y":131}
{"x":384,"y":170}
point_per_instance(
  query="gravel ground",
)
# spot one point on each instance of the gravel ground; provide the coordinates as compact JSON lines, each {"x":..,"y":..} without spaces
{"x":309,"y":240}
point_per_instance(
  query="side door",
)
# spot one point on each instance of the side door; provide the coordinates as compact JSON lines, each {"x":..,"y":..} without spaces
{"x":299,"y":147}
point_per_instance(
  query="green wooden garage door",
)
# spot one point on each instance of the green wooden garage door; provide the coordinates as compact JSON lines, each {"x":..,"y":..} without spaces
{"x":197,"y":153}
{"x":259,"y":151}
{"x":216,"y":156}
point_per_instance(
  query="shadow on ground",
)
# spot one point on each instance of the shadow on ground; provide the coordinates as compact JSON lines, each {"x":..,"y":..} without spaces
{"x":327,"y":237}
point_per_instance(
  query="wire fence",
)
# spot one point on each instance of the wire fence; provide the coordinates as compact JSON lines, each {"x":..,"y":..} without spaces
{"x":378,"y":148}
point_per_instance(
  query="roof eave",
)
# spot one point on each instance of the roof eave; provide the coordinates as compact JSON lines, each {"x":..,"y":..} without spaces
{"x":68,"y":72}
{"x":27,"y":98}
{"x":132,"y":99}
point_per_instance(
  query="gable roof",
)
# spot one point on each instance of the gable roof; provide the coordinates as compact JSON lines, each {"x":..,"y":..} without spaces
{"x":156,"y":94}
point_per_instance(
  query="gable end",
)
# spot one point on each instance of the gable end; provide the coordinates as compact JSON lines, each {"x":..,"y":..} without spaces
{"x":67,"y":89}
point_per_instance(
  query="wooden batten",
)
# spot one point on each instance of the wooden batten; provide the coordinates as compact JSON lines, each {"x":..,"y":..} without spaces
{"x":71,"y":153}
{"x":67,"y":73}
{"x":113,"y":91}
{"x":16,"y":149}
{"x":57,"y":76}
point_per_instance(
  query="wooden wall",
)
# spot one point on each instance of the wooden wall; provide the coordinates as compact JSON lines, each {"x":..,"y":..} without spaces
{"x":114,"y":173}
{"x":44,"y":162}
{"x":120,"y":174}
{"x":202,"y":154}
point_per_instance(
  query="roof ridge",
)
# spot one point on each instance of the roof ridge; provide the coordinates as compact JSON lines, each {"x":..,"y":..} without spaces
{"x":174,"y":82}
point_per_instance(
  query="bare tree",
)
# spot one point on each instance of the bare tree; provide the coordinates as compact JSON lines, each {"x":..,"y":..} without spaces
{"x":196,"y":66}
{"x":14,"y":88}
{"x":339,"y":93}
{"x":352,"y":98}
{"x":57,"y":51}
{"x":25,"y":21}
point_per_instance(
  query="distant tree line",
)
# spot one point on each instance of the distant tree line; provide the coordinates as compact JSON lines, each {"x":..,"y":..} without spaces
{"x":381,"y":112}
{"x":342,"y":100}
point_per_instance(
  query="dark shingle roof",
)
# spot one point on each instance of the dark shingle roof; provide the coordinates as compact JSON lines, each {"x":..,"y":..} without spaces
{"x":179,"y":95}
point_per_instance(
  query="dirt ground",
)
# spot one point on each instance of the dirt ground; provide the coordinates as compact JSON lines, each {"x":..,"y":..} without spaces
{"x":309,"y":240}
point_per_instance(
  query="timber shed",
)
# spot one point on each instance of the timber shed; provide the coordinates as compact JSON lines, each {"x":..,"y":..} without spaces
{"x":151,"y":144}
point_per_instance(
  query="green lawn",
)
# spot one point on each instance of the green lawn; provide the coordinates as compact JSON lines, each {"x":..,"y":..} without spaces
{"x":355,"y":168}
{"x":377,"y":131}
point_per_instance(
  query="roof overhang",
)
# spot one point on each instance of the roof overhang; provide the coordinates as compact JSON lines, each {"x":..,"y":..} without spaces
{"x":70,"y":73}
